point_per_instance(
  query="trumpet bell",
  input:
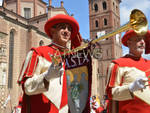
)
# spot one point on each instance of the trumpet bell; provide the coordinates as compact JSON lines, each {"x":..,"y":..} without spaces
{"x":138,"y":22}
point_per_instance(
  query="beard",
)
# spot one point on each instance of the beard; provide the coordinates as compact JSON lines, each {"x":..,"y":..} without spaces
{"x":140,"y":50}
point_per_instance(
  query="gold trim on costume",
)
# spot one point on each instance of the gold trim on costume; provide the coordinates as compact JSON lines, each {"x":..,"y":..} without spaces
{"x":28,"y":59}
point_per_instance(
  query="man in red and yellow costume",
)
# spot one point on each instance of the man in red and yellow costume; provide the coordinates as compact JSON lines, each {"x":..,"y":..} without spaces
{"x":128,"y":82}
{"x":44,"y":82}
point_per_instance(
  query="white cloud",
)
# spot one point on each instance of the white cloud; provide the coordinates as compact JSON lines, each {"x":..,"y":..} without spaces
{"x":127,"y":6}
{"x":146,"y":56}
{"x":0,"y":2}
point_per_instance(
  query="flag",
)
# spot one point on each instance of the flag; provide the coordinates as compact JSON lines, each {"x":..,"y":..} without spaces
{"x":79,"y":79}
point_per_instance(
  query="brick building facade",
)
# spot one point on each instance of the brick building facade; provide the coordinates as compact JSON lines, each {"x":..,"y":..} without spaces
{"x":21,"y":27}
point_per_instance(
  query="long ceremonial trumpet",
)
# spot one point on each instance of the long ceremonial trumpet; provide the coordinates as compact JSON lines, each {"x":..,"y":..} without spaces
{"x":138,"y":23}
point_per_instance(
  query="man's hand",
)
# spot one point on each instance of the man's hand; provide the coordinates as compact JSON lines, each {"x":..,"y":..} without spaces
{"x":138,"y":84}
{"x":53,"y":71}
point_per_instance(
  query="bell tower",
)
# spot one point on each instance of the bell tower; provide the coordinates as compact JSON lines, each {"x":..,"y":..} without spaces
{"x":104,"y":16}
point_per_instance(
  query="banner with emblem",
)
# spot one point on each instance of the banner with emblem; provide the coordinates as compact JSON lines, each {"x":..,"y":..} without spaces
{"x":79,"y":80}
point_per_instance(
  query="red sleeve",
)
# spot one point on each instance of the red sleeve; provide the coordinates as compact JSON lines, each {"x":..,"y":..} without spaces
{"x":112,"y":78}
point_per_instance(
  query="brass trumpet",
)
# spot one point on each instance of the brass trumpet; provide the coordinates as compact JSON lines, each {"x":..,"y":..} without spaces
{"x":138,"y":23}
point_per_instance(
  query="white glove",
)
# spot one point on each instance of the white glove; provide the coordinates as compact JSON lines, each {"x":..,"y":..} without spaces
{"x":138,"y":84}
{"x":53,"y":71}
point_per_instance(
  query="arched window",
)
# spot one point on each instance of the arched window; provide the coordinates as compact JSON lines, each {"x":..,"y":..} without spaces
{"x":104,"y":5}
{"x":113,"y":6}
{"x":96,"y":36}
{"x":105,"y":21}
{"x":11,"y":56}
{"x":95,"y":7}
{"x":96,"y":23}
{"x":41,"y":43}
{"x":116,"y":8}
{"x":2,"y":50}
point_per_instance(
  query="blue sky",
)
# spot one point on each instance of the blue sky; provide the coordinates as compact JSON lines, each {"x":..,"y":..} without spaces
{"x":81,"y":12}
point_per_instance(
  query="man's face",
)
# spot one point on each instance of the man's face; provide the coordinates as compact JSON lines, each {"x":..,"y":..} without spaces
{"x":93,"y":98}
{"x":136,"y":45}
{"x":61,"y":33}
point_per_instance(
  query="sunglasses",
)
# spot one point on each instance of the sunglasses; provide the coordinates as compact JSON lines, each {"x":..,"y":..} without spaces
{"x":63,"y":26}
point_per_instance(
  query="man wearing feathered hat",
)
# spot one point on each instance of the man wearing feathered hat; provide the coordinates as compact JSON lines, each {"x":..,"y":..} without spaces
{"x":128,"y":76}
{"x":44,"y":82}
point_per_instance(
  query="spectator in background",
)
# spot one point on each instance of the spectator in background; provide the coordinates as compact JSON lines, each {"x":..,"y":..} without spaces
{"x":17,"y":109}
{"x":105,"y":104}
{"x":94,"y":104}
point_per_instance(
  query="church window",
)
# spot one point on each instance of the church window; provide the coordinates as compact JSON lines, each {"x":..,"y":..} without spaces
{"x":27,"y":13}
{"x":96,"y":36}
{"x":11,"y":56}
{"x":117,"y":9}
{"x":105,"y":21}
{"x":41,"y":43}
{"x":95,"y":7}
{"x":3,"y":74}
{"x":96,"y":23}
{"x":104,"y":5}
{"x":113,"y":6}
{"x":2,"y":51}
